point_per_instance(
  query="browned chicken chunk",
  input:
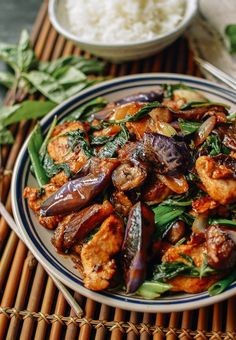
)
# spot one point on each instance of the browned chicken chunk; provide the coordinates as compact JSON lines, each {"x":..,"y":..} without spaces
{"x":60,"y":150}
{"x":222,"y":190}
{"x":97,"y":256}
{"x":35,"y":200}
{"x":188,"y":284}
{"x":221,"y":249}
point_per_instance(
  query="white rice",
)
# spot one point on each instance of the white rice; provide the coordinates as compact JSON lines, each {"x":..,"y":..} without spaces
{"x":122,"y":21}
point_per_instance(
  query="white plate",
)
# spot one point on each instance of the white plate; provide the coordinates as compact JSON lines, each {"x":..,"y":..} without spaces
{"x":39,"y":239}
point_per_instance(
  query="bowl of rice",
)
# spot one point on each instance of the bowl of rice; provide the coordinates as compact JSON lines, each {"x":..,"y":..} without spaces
{"x":122,"y":30}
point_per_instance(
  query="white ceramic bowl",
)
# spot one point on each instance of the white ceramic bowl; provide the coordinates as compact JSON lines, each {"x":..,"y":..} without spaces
{"x":120,"y":52}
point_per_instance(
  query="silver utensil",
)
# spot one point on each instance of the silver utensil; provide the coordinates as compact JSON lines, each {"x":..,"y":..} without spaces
{"x":217,"y":73}
{"x":67,"y":295}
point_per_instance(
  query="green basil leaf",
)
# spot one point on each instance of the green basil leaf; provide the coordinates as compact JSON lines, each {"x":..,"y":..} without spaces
{"x":110,"y":148}
{"x":87,"y":66}
{"x":6,"y":112}
{"x":8,"y":54}
{"x":138,"y":115}
{"x":25,"y":55}
{"x":6,"y":136}
{"x":29,"y":109}
{"x":68,"y":75}
{"x":52,"y":168}
{"x":100,"y":140}
{"x":77,"y":138}
{"x":47,"y":85}
{"x":188,"y":127}
{"x":7,"y":79}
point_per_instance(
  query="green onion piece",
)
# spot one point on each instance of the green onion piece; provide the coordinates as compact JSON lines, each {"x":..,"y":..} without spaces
{"x":222,"y":221}
{"x":221,"y":285}
{"x":166,"y":214}
{"x":152,"y":290}
{"x":188,"y":127}
{"x":43,"y":148}
{"x":34,"y":144}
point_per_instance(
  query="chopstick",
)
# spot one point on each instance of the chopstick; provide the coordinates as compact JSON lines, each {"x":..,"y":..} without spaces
{"x":217,"y":73}
{"x":67,"y":295}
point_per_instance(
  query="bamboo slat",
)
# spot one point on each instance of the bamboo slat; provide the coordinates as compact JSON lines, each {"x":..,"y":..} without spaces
{"x":31,"y":306}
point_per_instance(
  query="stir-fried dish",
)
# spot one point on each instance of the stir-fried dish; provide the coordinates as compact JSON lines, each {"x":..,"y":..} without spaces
{"x":141,"y":192}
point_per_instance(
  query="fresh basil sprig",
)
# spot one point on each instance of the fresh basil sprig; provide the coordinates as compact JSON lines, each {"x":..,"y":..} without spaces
{"x":56,"y":80}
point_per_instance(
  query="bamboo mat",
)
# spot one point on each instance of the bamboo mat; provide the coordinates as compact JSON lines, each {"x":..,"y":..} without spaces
{"x":31,"y":306}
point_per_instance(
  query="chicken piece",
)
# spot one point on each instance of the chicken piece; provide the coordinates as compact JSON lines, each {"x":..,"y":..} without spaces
{"x":59,"y":149}
{"x":195,"y":250}
{"x":139,"y":127}
{"x":203,"y":204}
{"x":121,"y":203}
{"x":220,"y":190}
{"x":192,"y":285}
{"x":221,"y":249}
{"x":35,"y":200}
{"x":155,"y":192}
{"x":97,"y":255}
{"x":129,"y":175}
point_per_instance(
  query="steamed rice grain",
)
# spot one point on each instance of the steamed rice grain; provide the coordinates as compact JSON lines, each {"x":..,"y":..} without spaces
{"x":123,"y":21}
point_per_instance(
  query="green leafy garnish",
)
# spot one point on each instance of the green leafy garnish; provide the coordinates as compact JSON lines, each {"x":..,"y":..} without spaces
{"x":100,"y":140}
{"x":76,"y":138}
{"x":230,"y":32}
{"x":168,"y":270}
{"x":34,"y":145}
{"x":214,"y":146}
{"x":111,"y":147}
{"x":222,"y":221}
{"x":56,"y":80}
{"x":138,"y":115}
{"x":188,"y":126}
{"x":170,"y":88}
{"x":29,"y":109}
{"x":222,"y":285}
{"x":52,"y":168}
{"x":152,"y":290}
{"x":191,"y":105}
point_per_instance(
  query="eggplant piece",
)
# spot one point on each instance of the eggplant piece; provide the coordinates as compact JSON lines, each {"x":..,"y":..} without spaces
{"x":138,"y":236}
{"x":77,"y":193}
{"x":227,"y":134}
{"x":129,"y":175}
{"x":85,"y":221}
{"x":221,"y":249}
{"x":104,"y":113}
{"x":121,"y":202}
{"x":145,"y":97}
{"x":198,"y":112}
{"x":171,"y":157}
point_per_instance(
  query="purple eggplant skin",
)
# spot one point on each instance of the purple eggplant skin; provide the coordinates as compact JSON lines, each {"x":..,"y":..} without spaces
{"x":138,"y":236}
{"x":144,"y":97}
{"x":76,"y":194}
{"x":170,"y":156}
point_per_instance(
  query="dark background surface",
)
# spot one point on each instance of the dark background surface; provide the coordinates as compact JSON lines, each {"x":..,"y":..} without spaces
{"x":14,"y":16}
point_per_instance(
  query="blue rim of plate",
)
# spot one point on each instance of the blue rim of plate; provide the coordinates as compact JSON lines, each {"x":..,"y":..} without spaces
{"x":29,"y":230}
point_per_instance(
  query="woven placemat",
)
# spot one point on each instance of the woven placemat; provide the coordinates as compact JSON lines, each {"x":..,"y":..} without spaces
{"x":31,"y":306}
